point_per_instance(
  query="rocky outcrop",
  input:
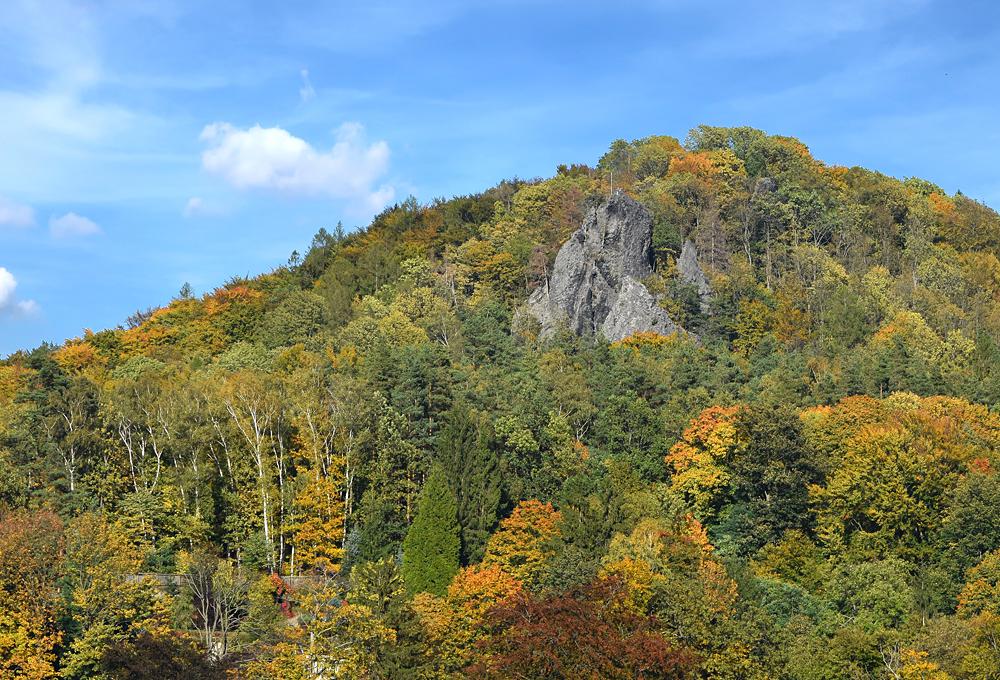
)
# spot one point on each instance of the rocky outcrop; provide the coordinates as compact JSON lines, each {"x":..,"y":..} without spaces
{"x":634,"y":310}
{"x":596,"y":283}
{"x":690,"y":272}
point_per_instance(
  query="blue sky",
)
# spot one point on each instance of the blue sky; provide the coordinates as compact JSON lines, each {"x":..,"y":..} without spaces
{"x":145,"y":144}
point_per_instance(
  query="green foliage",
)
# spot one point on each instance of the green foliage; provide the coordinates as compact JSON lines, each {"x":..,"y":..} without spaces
{"x":769,"y":477}
{"x":872,"y":595}
{"x":432,"y":545}
{"x":297,"y":319}
{"x":473,"y":472}
{"x":971,"y":527}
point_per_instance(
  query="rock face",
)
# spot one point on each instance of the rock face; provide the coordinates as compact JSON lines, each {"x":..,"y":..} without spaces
{"x":690,"y":272}
{"x":596,"y":283}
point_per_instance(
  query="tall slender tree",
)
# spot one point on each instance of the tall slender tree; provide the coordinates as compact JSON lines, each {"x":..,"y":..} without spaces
{"x":473,"y":471}
{"x":431,"y":547}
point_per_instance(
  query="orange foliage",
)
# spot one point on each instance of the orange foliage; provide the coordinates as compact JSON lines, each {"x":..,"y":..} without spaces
{"x":698,"y":163}
{"x":476,"y":589}
{"x":239,"y":293}
{"x":697,"y":535}
{"x":942,"y":207}
{"x":795,"y":146}
{"x":981,"y":466}
{"x":696,"y":458}
{"x":522,"y":543}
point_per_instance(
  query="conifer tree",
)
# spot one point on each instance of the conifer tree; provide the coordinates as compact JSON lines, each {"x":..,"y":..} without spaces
{"x":473,"y":471}
{"x":431,"y":547}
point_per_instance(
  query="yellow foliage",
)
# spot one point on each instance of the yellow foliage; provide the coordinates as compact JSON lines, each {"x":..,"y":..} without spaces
{"x":76,"y":356}
{"x":13,"y":378}
{"x":892,"y":463}
{"x":910,"y":329}
{"x":645,"y":339}
{"x":450,"y":641}
{"x":880,"y":295}
{"x":284,"y":660}
{"x":317,"y":526}
{"x":522,"y":544}
{"x":916,"y":666}
{"x":981,"y":592}
{"x":638,"y":578}
{"x":754,"y":321}
{"x":791,"y":323}
{"x":697,"y":458}
{"x":377,"y":323}
{"x":453,"y":624}
{"x":27,"y":651}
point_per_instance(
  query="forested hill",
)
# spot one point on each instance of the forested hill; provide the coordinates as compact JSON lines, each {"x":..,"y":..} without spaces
{"x":802,"y":485}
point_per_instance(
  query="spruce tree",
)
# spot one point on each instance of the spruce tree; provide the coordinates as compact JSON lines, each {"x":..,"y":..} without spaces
{"x":431,"y":547}
{"x":473,"y":470}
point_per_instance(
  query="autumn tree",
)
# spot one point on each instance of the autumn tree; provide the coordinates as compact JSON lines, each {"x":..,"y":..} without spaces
{"x":31,"y":555}
{"x":317,"y":526}
{"x":522,"y":543}
{"x":111,"y":607}
{"x":586,"y":633}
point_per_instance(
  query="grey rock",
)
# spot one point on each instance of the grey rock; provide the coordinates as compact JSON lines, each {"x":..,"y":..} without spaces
{"x":634,"y":310}
{"x":595,"y":287}
{"x":691,"y":273}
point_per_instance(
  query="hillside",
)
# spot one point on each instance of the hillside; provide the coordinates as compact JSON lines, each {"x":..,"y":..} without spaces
{"x":799,"y":484}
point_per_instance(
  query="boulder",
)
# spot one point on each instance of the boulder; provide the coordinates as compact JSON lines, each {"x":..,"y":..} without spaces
{"x":596,"y":284}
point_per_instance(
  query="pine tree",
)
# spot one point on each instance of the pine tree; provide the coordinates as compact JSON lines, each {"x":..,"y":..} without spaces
{"x":431,"y":548}
{"x":473,"y":471}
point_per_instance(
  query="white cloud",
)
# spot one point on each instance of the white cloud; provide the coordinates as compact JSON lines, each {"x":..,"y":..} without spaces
{"x":15,"y":214}
{"x":273,"y":158}
{"x":9,"y":304}
{"x":307,"y":92}
{"x":7,"y":285}
{"x":71,"y":224}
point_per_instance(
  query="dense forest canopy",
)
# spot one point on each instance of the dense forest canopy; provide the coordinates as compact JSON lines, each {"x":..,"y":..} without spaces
{"x":358,"y":465}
